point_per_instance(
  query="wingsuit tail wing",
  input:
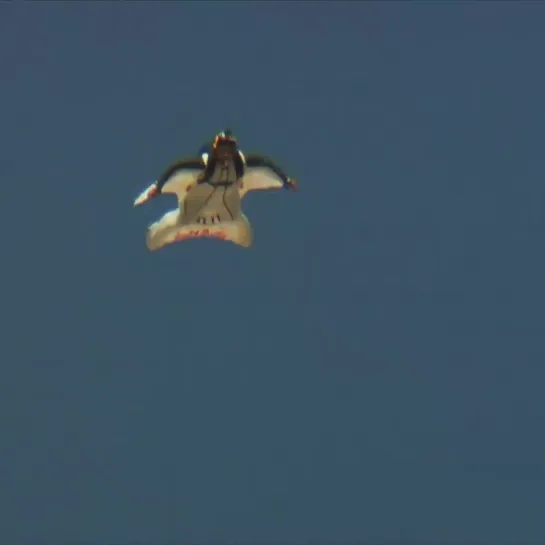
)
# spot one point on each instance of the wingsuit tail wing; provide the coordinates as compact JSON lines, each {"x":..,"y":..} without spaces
{"x":169,"y":230}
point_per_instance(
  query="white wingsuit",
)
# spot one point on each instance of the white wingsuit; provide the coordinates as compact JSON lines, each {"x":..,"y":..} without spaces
{"x":210,"y":208}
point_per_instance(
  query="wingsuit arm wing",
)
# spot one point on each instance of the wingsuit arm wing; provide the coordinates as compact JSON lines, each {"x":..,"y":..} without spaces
{"x":174,"y":179}
{"x":263,"y":173}
{"x":179,"y":175}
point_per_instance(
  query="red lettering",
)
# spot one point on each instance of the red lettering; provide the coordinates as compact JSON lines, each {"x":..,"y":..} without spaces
{"x":201,"y":233}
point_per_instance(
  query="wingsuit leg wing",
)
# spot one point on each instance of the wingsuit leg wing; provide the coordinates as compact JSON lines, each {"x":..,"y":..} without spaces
{"x":169,"y":229}
{"x":163,"y":231}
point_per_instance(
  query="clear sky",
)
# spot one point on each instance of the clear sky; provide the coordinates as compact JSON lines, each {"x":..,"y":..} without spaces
{"x":370,"y":371}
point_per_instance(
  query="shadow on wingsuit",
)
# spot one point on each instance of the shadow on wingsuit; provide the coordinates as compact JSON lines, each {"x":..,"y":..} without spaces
{"x":210,"y":188}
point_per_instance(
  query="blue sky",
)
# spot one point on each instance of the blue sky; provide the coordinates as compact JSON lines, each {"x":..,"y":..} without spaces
{"x":370,"y":371}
